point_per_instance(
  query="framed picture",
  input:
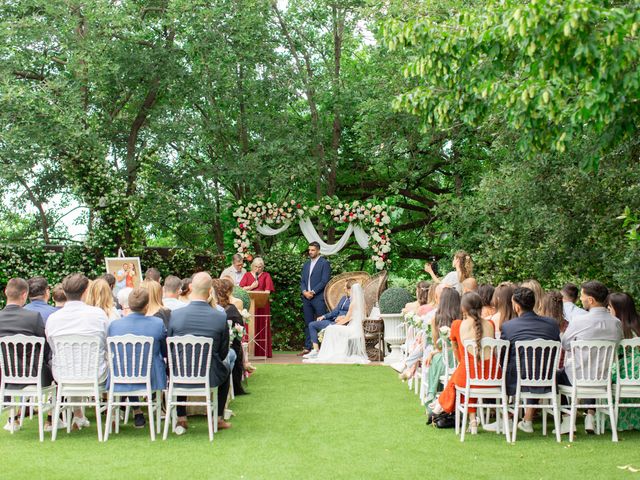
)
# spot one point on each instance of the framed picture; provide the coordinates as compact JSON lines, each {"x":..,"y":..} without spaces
{"x":126,"y":270}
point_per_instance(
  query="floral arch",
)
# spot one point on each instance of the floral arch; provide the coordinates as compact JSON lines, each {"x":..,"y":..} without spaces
{"x":368,"y":221}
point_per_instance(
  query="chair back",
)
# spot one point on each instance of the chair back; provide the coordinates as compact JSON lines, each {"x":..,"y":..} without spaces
{"x":373,"y":288}
{"x":334,"y":290}
{"x":448,"y":358}
{"x":487,"y":367}
{"x":189,"y":359}
{"x":537,"y":362}
{"x":592,"y":362}
{"x":21,"y":359}
{"x":76,"y":358}
{"x":130,"y":358}
{"x":629,"y":364}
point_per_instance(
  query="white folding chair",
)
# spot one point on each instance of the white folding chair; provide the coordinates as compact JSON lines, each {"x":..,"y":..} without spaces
{"x":21,"y":361}
{"x":76,"y":366}
{"x":628,"y":375}
{"x":449,"y":360}
{"x":189,"y":364}
{"x":130,"y":361}
{"x":483,"y":382}
{"x":594,"y":360}
{"x":538,"y":370}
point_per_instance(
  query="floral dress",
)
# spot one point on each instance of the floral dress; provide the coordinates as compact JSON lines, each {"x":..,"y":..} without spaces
{"x":628,"y":418}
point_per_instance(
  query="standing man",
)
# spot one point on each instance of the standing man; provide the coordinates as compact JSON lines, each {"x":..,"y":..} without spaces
{"x":236,"y":271}
{"x":315,"y":275}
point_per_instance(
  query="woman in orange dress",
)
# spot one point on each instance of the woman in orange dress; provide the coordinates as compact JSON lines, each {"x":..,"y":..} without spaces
{"x":471,"y":327}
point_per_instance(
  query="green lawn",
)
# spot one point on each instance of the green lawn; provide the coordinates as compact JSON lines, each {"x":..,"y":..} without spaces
{"x":315,"y":421}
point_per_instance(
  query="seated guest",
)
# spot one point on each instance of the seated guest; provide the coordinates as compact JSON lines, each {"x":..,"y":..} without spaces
{"x":155,"y":307}
{"x":223,"y":289}
{"x":171,"y":292}
{"x":471,"y":327}
{"x":59,"y":298}
{"x":422,"y":291}
{"x":622,"y":307}
{"x":569,"y":297}
{"x":123,"y":300}
{"x":551,"y":306}
{"x":463,"y":266}
{"x":39,"y":295}
{"x":236,"y":271}
{"x":185,"y":290}
{"x":138,"y":323}
{"x":111,"y":281}
{"x":153,"y":274}
{"x":100,"y":295}
{"x":199,"y":318}
{"x":337,"y":315}
{"x":469,"y":285}
{"x":78,"y":318}
{"x":526,"y":326}
{"x":501,"y":302}
{"x":486,"y":293}
{"x":537,"y":289}
{"x":596,"y":324}
{"x":15,"y":320}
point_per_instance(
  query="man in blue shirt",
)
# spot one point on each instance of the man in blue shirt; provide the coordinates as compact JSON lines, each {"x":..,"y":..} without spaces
{"x":39,"y":297}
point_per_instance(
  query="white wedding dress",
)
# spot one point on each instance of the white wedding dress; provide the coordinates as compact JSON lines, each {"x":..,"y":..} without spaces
{"x":345,"y":343}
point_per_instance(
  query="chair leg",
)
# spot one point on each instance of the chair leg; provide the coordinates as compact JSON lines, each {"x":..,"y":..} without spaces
{"x":556,"y":419}
{"x":152,"y":423}
{"x":544,"y":418}
{"x":98,"y":417}
{"x":457,"y":410}
{"x":167,"y":416}
{"x":505,"y":419}
{"x":215,"y":410}
{"x":56,"y":417}
{"x":574,"y":408}
{"x":516,"y":411}
{"x":210,"y":425}
{"x":107,"y":425}
{"x":158,"y":412}
{"x":612,"y":419}
{"x":40,"y":418}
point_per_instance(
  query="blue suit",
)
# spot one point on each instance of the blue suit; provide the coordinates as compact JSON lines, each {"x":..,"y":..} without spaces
{"x":140,"y":324}
{"x":315,"y":307}
{"x":342,"y":308}
{"x":528,"y":326}
{"x":42,"y":307}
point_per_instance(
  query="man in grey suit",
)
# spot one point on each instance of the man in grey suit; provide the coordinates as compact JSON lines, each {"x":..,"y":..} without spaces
{"x":16,"y":320}
{"x":201,"y":319}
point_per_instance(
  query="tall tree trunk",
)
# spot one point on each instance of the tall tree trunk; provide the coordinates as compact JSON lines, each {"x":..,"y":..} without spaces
{"x":44,"y":223}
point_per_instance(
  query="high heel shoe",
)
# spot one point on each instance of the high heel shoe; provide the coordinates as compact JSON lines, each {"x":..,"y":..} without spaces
{"x":473,"y":427}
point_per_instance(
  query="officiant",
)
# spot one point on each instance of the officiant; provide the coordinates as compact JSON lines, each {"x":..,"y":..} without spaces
{"x":259,"y":280}
{"x":315,"y":275}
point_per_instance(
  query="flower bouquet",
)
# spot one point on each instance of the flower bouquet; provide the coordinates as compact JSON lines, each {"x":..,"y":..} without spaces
{"x":236,"y":332}
{"x":246,"y":316}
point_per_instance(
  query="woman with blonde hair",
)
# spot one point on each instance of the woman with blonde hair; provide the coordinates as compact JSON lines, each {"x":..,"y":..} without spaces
{"x":156,"y":308}
{"x":537,"y":291}
{"x":257,"y":280}
{"x":463,"y":269}
{"x":99,"y":295}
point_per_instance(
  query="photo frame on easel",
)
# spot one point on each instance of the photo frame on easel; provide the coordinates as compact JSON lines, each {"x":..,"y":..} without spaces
{"x":127,"y":271}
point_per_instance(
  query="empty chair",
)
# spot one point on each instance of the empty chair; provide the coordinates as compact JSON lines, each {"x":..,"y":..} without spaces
{"x":628,"y":375}
{"x":130,"y":366}
{"x":485,"y":380}
{"x":77,"y":372}
{"x":594,"y":359}
{"x":21,"y":361}
{"x":536,"y":366}
{"x":189,"y":363}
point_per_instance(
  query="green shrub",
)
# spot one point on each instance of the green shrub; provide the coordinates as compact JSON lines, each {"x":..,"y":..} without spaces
{"x":393,"y":300}
{"x":242,"y":295}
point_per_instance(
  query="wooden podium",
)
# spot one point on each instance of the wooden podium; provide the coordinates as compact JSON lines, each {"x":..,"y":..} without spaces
{"x":259,"y":299}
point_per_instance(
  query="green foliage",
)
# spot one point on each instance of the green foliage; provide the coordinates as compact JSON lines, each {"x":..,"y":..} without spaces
{"x":242,"y":294}
{"x":393,"y":300}
{"x":551,"y":70}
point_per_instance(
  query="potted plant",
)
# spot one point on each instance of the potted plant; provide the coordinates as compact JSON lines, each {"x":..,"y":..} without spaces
{"x":392,"y":301}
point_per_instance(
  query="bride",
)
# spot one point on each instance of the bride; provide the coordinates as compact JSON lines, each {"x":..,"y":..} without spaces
{"x":345,"y":343}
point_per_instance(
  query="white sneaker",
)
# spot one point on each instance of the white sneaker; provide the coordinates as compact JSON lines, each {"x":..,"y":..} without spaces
{"x":311,"y":354}
{"x":80,"y":422}
{"x":565,"y":426}
{"x":589,"y":423}
{"x":498,"y":424}
{"x":49,"y":427}
{"x":228,"y":413}
{"x":12,"y":426}
{"x":180,"y":430}
{"x":525,"y":426}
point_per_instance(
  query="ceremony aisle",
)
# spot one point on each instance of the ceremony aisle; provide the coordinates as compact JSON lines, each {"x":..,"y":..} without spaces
{"x":315,"y":422}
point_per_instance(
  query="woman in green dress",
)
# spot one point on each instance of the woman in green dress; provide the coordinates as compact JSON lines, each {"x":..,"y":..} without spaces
{"x":622,"y":307}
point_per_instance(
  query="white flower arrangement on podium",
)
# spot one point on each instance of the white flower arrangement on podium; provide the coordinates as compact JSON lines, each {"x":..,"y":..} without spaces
{"x":372,"y":217}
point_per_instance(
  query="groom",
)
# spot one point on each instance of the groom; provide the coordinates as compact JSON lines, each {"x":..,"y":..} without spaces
{"x":315,"y":275}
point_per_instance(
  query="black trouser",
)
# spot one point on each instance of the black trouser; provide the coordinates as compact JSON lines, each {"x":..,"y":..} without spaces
{"x":238,"y":368}
{"x":223,"y":392}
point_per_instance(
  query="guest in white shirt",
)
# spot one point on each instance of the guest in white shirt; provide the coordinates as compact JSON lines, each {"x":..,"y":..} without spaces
{"x":171,"y":292}
{"x":596,"y":324}
{"x":78,"y":318}
{"x":569,"y":296}
{"x":236,"y":271}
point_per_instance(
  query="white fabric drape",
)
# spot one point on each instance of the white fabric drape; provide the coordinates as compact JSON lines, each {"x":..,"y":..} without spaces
{"x":311,"y":234}
{"x":268,"y":231}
